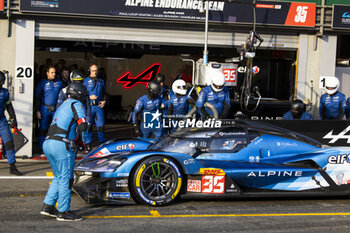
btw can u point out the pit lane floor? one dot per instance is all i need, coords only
(21, 201)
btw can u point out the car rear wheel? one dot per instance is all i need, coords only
(156, 181)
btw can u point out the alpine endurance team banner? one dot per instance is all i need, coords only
(273, 13)
(341, 16)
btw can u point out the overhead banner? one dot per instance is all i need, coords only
(1, 5)
(341, 16)
(272, 13)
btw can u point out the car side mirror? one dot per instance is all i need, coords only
(197, 153)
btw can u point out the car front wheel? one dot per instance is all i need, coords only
(156, 181)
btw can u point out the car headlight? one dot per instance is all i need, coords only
(109, 165)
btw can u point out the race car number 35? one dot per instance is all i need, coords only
(213, 184)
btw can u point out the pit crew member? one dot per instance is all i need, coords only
(59, 149)
(149, 104)
(179, 102)
(333, 102)
(45, 101)
(297, 111)
(97, 95)
(216, 94)
(5, 133)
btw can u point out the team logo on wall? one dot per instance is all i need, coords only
(335, 137)
(144, 77)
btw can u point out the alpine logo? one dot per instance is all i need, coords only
(336, 137)
(346, 15)
(144, 77)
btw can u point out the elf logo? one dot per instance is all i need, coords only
(144, 77)
(339, 159)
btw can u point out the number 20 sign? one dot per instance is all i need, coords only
(24, 72)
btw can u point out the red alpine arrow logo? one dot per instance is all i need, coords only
(144, 77)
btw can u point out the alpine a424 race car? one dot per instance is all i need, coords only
(244, 159)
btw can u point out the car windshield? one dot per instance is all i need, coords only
(180, 145)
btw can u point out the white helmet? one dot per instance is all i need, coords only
(179, 87)
(217, 81)
(332, 85)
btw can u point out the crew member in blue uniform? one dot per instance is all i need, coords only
(297, 112)
(179, 103)
(165, 89)
(347, 111)
(217, 95)
(75, 77)
(59, 149)
(97, 95)
(333, 102)
(46, 100)
(150, 104)
(5, 133)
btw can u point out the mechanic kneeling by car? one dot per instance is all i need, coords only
(59, 150)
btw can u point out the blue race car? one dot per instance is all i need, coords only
(246, 158)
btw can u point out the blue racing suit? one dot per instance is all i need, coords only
(62, 96)
(332, 107)
(46, 99)
(148, 107)
(347, 111)
(305, 116)
(178, 106)
(220, 100)
(58, 148)
(96, 87)
(5, 132)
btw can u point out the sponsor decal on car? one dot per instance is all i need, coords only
(339, 159)
(129, 146)
(117, 195)
(274, 173)
(122, 174)
(211, 171)
(232, 189)
(213, 184)
(222, 134)
(101, 153)
(285, 144)
(189, 161)
(194, 186)
(101, 161)
(121, 183)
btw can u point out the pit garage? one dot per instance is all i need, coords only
(121, 56)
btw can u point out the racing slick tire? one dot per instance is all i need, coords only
(156, 181)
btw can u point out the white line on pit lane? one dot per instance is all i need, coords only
(25, 177)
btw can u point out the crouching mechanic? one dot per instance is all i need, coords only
(59, 149)
(217, 95)
(297, 112)
(179, 102)
(148, 105)
(332, 103)
(5, 133)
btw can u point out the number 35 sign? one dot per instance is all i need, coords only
(301, 14)
(24, 72)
